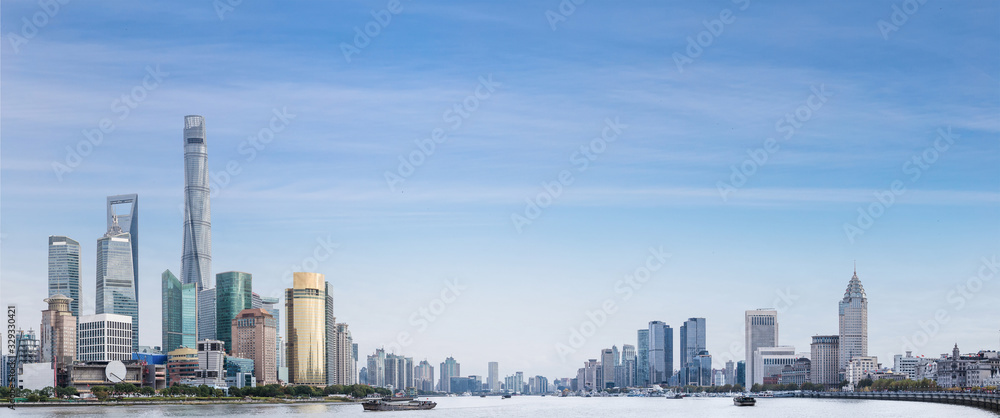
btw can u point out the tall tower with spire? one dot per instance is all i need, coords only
(853, 322)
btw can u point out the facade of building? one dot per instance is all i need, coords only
(741, 373)
(607, 369)
(233, 290)
(58, 332)
(692, 343)
(825, 360)
(968, 371)
(796, 373)
(253, 333)
(642, 358)
(211, 365)
(116, 278)
(493, 376)
(906, 365)
(859, 368)
(661, 352)
(423, 376)
(376, 368)
(769, 361)
(330, 326)
(629, 362)
(853, 320)
(305, 314)
(345, 365)
(64, 270)
(180, 313)
(699, 370)
(128, 221)
(28, 347)
(240, 372)
(182, 364)
(104, 337)
(730, 372)
(196, 260)
(270, 304)
(761, 331)
(207, 326)
(449, 369)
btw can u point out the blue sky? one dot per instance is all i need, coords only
(778, 240)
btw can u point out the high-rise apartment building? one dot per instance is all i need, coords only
(58, 332)
(180, 313)
(233, 291)
(853, 321)
(306, 319)
(761, 331)
(730, 373)
(64, 270)
(642, 358)
(344, 360)
(423, 376)
(104, 337)
(253, 332)
(661, 352)
(493, 376)
(449, 369)
(825, 355)
(128, 220)
(115, 278)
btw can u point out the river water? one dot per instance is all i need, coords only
(549, 407)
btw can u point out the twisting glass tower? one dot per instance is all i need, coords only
(196, 263)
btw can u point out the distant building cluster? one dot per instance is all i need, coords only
(216, 330)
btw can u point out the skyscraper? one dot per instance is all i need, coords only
(115, 278)
(629, 363)
(825, 357)
(761, 331)
(305, 316)
(449, 369)
(64, 270)
(424, 376)
(269, 304)
(692, 335)
(607, 369)
(330, 325)
(493, 377)
(180, 310)
(58, 332)
(853, 322)
(196, 262)
(642, 359)
(129, 222)
(253, 336)
(233, 291)
(196, 259)
(661, 352)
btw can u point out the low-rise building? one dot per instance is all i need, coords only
(860, 368)
(181, 365)
(968, 371)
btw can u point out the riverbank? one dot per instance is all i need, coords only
(188, 401)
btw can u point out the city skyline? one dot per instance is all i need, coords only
(302, 140)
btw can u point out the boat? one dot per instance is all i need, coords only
(506, 396)
(397, 404)
(482, 396)
(744, 401)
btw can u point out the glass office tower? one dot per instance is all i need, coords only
(128, 220)
(115, 278)
(64, 270)
(642, 358)
(305, 315)
(180, 307)
(196, 261)
(661, 352)
(233, 294)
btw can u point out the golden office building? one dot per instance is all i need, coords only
(58, 332)
(305, 307)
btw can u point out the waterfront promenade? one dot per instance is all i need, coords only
(989, 401)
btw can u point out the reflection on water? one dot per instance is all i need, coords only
(550, 407)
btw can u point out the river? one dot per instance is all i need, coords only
(549, 407)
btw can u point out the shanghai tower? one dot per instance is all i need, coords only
(196, 262)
